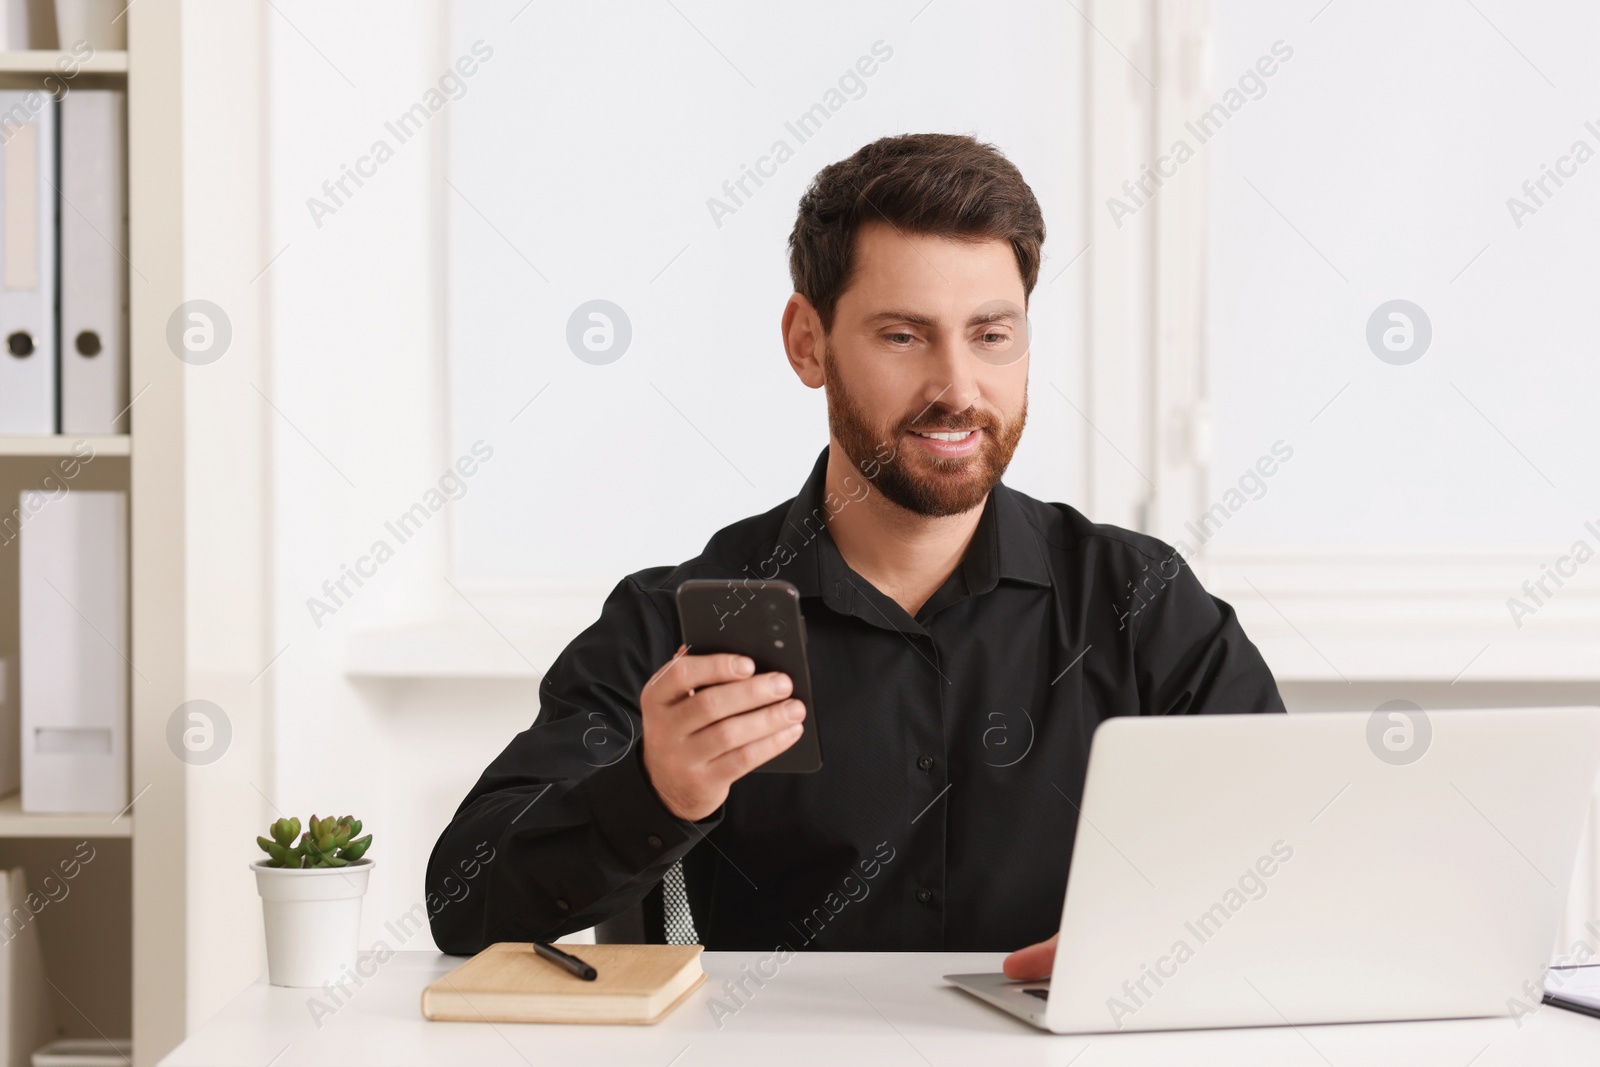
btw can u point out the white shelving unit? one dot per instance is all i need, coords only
(65, 444)
(138, 904)
(14, 823)
(49, 62)
(156, 508)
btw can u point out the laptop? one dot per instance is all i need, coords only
(1326, 867)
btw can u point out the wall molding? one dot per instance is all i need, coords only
(1414, 613)
(1318, 613)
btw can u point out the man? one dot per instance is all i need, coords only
(964, 639)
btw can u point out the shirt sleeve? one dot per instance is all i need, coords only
(1191, 656)
(564, 829)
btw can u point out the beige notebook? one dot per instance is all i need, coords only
(510, 983)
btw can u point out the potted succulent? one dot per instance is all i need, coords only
(311, 891)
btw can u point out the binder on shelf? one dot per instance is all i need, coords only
(27, 1016)
(10, 717)
(94, 268)
(72, 581)
(27, 24)
(27, 262)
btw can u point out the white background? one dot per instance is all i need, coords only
(1391, 141)
(581, 171)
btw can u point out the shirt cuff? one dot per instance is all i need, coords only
(631, 815)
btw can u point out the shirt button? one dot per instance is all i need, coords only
(925, 762)
(563, 905)
(653, 841)
(924, 895)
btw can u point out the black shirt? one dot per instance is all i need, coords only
(954, 744)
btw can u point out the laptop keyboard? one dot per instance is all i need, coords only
(1042, 994)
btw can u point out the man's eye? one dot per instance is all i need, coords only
(996, 338)
(898, 338)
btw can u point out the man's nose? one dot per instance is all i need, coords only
(952, 378)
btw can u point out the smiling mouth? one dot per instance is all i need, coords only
(945, 435)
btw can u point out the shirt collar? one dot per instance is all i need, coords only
(1004, 546)
(815, 567)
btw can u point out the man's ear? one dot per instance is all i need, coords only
(803, 340)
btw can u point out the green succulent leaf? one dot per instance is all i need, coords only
(324, 842)
(279, 856)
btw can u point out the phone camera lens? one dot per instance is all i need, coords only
(770, 605)
(775, 626)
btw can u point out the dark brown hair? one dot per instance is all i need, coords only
(937, 184)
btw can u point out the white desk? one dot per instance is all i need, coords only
(834, 1009)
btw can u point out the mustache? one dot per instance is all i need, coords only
(943, 418)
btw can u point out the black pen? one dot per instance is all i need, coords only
(563, 959)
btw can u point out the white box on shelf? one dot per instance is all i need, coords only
(85, 1052)
(73, 621)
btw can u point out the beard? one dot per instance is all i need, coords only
(922, 483)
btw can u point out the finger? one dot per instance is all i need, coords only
(1031, 963)
(687, 673)
(676, 656)
(734, 732)
(714, 703)
(741, 761)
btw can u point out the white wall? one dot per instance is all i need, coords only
(1377, 164)
(227, 501)
(582, 171)
(355, 439)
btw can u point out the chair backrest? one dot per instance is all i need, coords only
(642, 924)
(646, 922)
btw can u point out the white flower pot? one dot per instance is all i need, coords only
(94, 21)
(313, 918)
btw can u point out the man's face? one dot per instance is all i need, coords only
(930, 338)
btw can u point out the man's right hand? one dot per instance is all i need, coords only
(1032, 963)
(698, 739)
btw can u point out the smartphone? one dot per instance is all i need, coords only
(761, 620)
